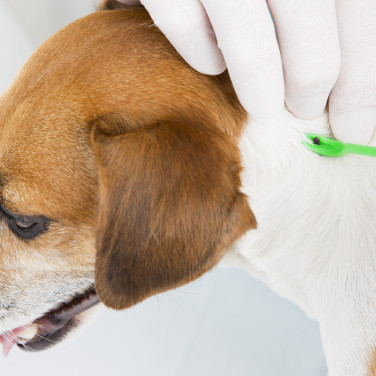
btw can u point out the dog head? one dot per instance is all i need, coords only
(119, 169)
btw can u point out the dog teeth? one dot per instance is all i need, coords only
(27, 334)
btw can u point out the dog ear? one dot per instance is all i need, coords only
(169, 205)
(113, 4)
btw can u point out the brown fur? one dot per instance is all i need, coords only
(107, 131)
(372, 364)
(169, 205)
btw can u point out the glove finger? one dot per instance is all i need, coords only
(352, 106)
(246, 37)
(188, 28)
(308, 40)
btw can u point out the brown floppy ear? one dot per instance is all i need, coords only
(169, 205)
(113, 4)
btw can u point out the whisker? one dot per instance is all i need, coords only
(28, 348)
(49, 340)
(5, 335)
(14, 336)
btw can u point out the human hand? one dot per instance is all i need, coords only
(352, 102)
(319, 57)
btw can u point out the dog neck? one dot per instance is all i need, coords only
(315, 240)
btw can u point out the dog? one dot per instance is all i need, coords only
(125, 173)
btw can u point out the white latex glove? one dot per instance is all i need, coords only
(352, 104)
(312, 57)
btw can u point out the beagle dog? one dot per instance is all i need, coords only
(125, 173)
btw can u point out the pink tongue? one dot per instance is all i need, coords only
(9, 339)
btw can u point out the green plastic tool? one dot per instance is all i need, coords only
(333, 148)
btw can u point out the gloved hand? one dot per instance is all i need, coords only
(314, 57)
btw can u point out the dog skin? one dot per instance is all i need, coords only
(124, 169)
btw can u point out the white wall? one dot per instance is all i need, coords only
(225, 324)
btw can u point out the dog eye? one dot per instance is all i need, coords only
(25, 224)
(28, 227)
(25, 227)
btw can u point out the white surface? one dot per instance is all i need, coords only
(14, 47)
(226, 323)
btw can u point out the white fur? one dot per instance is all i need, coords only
(315, 241)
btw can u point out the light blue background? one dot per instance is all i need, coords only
(225, 324)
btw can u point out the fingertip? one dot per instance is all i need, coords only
(307, 108)
(356, 127)
(268, 111)
(188, 28)
(203, 56)
(262, 99)
(263, 108)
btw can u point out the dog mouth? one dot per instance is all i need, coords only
(52, 327)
